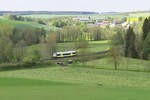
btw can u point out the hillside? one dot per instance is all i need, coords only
(65, 83)
(25, 24)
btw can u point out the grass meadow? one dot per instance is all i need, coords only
(94, 81)
(73, 83)
(117, 15)
(94, 46)
(26, 24)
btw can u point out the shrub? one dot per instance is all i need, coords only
(33, 56)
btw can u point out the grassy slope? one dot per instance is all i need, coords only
(25, 24)
(77, 83)
(59, 83)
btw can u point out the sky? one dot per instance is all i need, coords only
(75, 5)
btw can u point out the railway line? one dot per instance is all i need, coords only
(76, 57)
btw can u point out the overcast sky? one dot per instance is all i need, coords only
(75, 5)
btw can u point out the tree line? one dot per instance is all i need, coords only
(74, 33)
(28, 19)
(132, 44)
(144, 44)
(13, 41)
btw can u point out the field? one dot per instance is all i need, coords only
(73, 83)
(54, 16)
(139, 14)
(125, 64)
(26, 24)
(94, 81)
(94, 46)
(117, 15)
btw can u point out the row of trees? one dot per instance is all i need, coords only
(13, 41)
(74, 33)
(146, 39)
(138, 46)
(135, 45)
(28, 19)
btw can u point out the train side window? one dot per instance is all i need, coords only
(74, 53)
(65, 54)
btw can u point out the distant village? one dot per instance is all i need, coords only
(104, 22)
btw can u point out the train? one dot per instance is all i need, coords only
(65, 54)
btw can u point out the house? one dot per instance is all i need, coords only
(91, 24)
(99, 20)
(84, 19)
(118, 23)
(103, 24)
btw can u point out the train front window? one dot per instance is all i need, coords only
(58, 54)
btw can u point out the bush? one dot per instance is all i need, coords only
(33, 56)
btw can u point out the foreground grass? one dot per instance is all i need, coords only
(84, 76)
(73, 83)
(40, 90)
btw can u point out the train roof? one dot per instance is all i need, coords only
(66, 52)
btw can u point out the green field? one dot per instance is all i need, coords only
(95, 81)
(77, 82)
(26, 24)
(73, 83)
(125, 64)
(117, 15)
(55, 16)
(139, 14)
(94, 46)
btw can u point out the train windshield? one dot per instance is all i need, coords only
(58, 54)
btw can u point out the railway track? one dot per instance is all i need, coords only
(96, 54)
(77, 56)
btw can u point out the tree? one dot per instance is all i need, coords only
(6, 49)
(95, 33)
(83, 47)
(130, 48)
(33, 56)
(146, 47)
(146, 29)
(140, 18)
(115, 54)
(51, 43)
(41, 22)
(145, 37)
(118, 37)
(19, 51)
(116, 44)
(58, 23)
(6, 45)
(10, 17)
